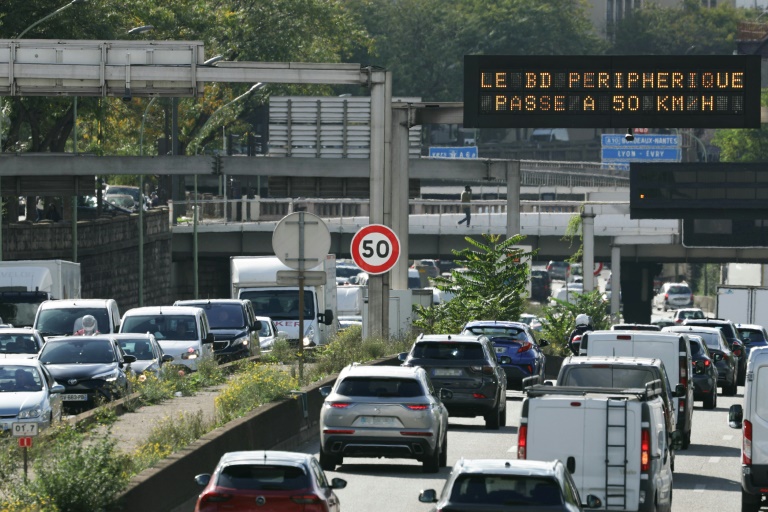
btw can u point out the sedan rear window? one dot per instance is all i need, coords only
(751, 335)
(495, 330)
(507, 490)
(679, 290)
(380, 387)
(447, 350)
(710, 339)
(263, 478)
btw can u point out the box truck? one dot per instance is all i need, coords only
(256, 278)
(25, 284)
(742, 304)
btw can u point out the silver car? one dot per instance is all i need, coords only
(28, 394)
(149, 355)
(384, 411)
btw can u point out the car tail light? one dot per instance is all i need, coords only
(530, 368)
(488, 370)
(681, 404)
(478, 395)
(417, 407)
(691, 299)
(624, 337)
(666, 296)
(725, 357)
(522, 441)
(706, 362)
(746, 450)
(678, 320)
(215, 497)
(338, 431)
(340, 405)
(737, 352)
(683, 371)
(525, 347)
(306, 499)
(645, 450)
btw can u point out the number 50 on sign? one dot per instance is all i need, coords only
(375, 249)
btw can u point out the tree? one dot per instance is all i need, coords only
(493, 286)
(560, 318)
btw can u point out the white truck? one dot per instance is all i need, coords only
(25, 284)
(255, 278)
(613, 441)
(742, 304)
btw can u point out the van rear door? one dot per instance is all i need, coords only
(574, 430)
(758, 397)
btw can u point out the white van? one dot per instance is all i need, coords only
(672, 348)
(64, 317)
(182, 331)
(614, 441)
(752, 418)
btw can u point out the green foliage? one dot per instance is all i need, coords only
(572, 231)
(258, 384)
(560, 319)
(492, 288)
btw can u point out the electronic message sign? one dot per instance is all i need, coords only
(687, 91)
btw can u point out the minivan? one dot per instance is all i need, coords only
(672, 348)
(181, 331)
(752, 418)
(64, 317)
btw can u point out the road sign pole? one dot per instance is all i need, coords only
(301, 298)
(24, 455)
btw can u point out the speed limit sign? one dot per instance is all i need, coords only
(375, 249)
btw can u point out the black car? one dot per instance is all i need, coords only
(732, 336)
(91, 369)
(466, 366)
(541, 285)
(234, 327)
(704, 372)
(720, 353)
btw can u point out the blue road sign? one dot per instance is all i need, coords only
(454, 153)
(659, 154)
(611, 140)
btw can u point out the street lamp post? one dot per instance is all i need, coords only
(54, 13)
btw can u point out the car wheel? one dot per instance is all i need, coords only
(686, 440)
(432, 462)
(710, 402)
(731, 389)
(327, 461)
(742, 378)
(493, 420)
(503, 417)
(750, 502)
(444, 452)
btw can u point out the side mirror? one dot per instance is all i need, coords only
(735, 416)
(209, 338)
(679, 391)
(428, 496)
(593, 501)
(338, 483)
(256, 326)
(327, 317)
(167, 358)
(325, 390)
(676, 440)
(543, 343)
(445, 394)
(717, 357)
(505, 360)
(202, 480)
(402, 356)
(57, 388)
(129, 359)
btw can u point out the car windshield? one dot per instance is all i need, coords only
(266, 329)
(139, 347)
(510, 490)
(380, 387)
(449, 350)
(604, 376)
(690, 314)
(347, 271)
(223, 315)
(68, 321)
(15, 378)
(515, 333)
(260, 477)
(18, 344)
(164, 327)
(712, 340)
(82, 351)
(280, 304)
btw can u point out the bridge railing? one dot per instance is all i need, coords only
(222, 211)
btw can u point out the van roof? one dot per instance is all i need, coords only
(74, 303)
(652, 390)
(613, 360)
(164, 310)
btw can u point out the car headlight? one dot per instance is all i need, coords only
(243, 340)
(30, 413)
(309, 336)
(109, 376)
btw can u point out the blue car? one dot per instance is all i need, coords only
(517, 349)
(753, 336)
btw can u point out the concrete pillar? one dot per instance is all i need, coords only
(400, 210)
(588, 261)
(615, 283)
(513, 197)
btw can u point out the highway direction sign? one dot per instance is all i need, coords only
(630, 154)
(375, 249)
(457, 153)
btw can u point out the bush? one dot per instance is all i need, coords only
(258, 384)
(560, 319)
(168, 436)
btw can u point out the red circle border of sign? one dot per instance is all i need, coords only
(391, 236)
(598, 269)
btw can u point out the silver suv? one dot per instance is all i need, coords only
(383, 411)
(491, 483)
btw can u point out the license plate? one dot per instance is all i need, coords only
(385, 421)
(75, 397)
(446, 372)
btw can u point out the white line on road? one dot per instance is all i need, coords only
(727, 437)
(714, 460)
(699, 488)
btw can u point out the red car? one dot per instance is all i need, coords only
(268, 480)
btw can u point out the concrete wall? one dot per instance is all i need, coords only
(107, 252)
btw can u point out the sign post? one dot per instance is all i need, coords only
(301, 238)
(24, 431)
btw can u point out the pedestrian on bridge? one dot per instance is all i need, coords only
(466, 199)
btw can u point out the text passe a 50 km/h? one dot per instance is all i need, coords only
(691, 91)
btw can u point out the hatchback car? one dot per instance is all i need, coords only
(91, 368)
(516, 349)
(508, 485)
(28, 394)
(752, 336)
(384, 411)
(559, 270)
(717, 346)
(704, 372)
(148, 353)
(16, 343)
(467, 366)
(683, 314)
(731, 336)
(268, 334)
(673, 296)
(268, 480)
(430, 267)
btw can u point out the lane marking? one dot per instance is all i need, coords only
(699, 488)
(714, 460)
(727, 437)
